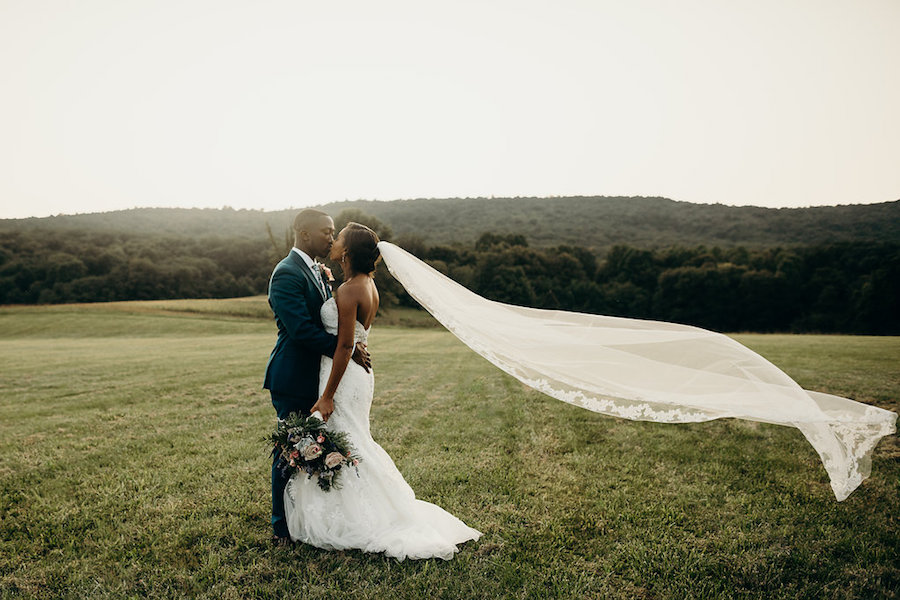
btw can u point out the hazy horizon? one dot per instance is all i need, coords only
(282, 104)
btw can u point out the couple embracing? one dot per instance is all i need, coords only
(320, 363)
(627, 368)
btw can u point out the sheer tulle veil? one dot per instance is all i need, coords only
(647, 370)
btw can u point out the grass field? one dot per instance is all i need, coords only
(132, 466)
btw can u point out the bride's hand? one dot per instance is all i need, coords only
(325, 406)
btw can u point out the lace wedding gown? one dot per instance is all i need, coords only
(377, 511)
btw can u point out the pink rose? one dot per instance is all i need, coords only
(320, 439)
(312, 451)
(333, 460)
(355, 462)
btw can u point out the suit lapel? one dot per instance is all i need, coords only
(301, 264)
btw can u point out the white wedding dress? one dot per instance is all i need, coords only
(376, 511)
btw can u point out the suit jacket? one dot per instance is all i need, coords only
(296, 298)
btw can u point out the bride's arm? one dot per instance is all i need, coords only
(347, 301)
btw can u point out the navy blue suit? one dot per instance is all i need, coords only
(292, 374)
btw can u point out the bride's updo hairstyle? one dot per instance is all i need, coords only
(361, 244)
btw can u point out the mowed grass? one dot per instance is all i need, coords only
(132, 466)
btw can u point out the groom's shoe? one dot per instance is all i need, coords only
(280, 534)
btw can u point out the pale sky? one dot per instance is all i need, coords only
(112, 104)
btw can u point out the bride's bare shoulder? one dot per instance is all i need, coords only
(356, 290)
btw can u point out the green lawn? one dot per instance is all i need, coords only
(132, 465)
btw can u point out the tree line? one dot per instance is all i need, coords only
(851, 287)
(41, 268)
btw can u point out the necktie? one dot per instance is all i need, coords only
(318, 273)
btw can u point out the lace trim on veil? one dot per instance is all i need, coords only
(647, 370)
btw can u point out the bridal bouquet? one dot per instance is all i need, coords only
(302, 445)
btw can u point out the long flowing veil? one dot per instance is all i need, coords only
(647, 370)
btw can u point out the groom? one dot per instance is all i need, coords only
(297, 291)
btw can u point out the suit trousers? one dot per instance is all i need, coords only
(284, 406)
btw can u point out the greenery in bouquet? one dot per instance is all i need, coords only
(304, 445)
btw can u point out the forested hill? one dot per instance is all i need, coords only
(596, 223)
(829, 269)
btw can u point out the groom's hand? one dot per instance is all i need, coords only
(361, 356)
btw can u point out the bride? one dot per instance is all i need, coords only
(376, 511)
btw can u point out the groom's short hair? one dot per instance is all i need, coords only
(307, 219)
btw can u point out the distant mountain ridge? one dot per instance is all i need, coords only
(596, 222)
